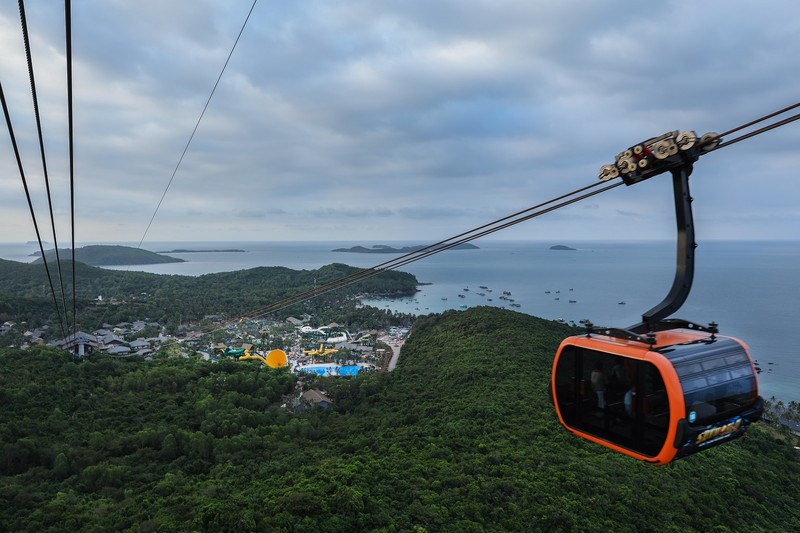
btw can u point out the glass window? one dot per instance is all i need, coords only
(718, 377)
(693, 383)
(567, 384)
(725, 385)
(741, 372)
(685, 370)
(738, 357)
(617, 399)
(711, 364)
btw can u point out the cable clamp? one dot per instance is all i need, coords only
(658, 155)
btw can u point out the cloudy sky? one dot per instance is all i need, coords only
(367, 121)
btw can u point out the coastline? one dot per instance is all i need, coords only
(742, 285)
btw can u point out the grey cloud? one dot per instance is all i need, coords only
(359, 118)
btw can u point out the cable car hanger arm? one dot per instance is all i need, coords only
(684, 266)
(675, 153)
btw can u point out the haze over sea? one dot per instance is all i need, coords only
(750, 288)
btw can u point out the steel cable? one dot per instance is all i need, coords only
(197, 125)
(492, 227)
(34, 96)
(30, 205)
(427, 251)
(70, 126)
(759, 131)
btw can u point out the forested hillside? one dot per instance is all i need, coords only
(128, 296)
(461, 437)
(99, 255)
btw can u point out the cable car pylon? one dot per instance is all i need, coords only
(663, 388)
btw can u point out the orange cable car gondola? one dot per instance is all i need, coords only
(664, 388)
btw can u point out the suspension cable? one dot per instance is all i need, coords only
(197, 125)
(756, 121)
(464, 237)
(70, 126)
(758, 131)
(717, 137)
(29, 57)
(30, 205)
(495, 226)
(441, 246)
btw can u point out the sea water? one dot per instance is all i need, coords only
(749, 288)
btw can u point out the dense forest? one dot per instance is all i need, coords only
(461, 437)
(171, 299)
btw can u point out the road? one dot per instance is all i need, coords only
(396, 346)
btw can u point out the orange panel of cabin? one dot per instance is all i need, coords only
(656, 403)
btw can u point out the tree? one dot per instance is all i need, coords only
(62, 467)
(169, 448)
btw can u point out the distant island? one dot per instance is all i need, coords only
(561, 247)
(109, 255)
(383, 249)
(182, 251)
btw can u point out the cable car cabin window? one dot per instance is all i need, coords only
(717, 379)
(617, 399)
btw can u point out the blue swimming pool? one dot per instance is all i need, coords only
(332, 369)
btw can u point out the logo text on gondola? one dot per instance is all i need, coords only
(714, 433)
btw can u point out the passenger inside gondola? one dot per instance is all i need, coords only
(639, 424)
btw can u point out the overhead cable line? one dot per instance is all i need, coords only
(197, 125)
(444, 244)
(464, 238)
(30, 204)
(494, 226)
(762, 119)
(70, 127)
(29, 57)
(441, 246)
(759, 131)
(712, 138)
